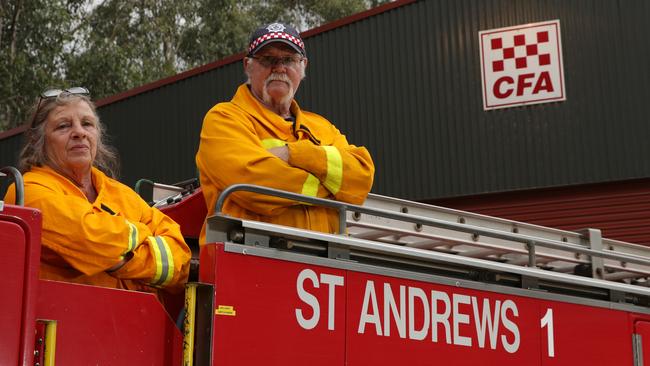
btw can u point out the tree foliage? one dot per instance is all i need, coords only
(114, 45)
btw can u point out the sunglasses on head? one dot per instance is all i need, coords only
(53, 93)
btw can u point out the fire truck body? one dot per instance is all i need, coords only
(87, 325)
(406, 283)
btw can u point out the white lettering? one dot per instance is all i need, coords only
(440, 318)
(331, 281)
(307, 298)
(547, 322)
(460, 319)
(370, 298)
(390, 308)
(452, 318)
(486, 322)
(511, 326)
(418, 334)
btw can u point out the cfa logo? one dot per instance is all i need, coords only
(522, 65)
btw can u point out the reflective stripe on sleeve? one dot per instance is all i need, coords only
(133, 237)
(270, 143)
(310, 187)
(334, 176)
(164, 261)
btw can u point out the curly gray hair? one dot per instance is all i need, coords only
(33, 153)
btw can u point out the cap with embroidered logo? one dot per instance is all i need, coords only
(276, 32)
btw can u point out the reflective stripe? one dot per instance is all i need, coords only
(164, 261)
(310, 187)
(133, 237)
(269, 143)
(334, 176)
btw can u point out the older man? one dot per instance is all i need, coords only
(263, 137)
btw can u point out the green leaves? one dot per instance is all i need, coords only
(111, 46)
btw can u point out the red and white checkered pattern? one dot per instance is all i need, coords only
(520, 42)
(276, 35)
(522, 65)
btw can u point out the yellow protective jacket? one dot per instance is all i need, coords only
(233, 149)
(81, 240)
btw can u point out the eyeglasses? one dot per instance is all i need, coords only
(270, 61)
(53, 93)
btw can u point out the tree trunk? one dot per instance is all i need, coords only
(3, 10)
(14, 31)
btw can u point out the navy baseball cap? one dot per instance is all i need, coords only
(276, 32)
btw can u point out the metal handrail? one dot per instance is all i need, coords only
(20, 184)
(342, 207)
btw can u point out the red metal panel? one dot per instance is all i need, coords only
(20, 237)
(263, 330)
(619, 209)
(189, 213)
(374, 347)
(102, 326)
(586, 335)
(12, 263)
(266, 314)
(578, 331)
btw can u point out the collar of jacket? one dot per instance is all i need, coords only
(97, 176)
(245, 100)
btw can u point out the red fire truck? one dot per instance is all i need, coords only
(403, 283)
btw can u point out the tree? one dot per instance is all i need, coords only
(31, 57)
(116, 45)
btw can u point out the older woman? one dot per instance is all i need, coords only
(95, 230)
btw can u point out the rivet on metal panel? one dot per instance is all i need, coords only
(356, 216)
(418, 227)
(461, 220)
(405, 210)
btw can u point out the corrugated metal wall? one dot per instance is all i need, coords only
(157, 132)
(619, 209)
(9, 149)
(406, 84)
(412, 93)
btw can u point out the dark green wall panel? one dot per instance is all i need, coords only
(406, 83)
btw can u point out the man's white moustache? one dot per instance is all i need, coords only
(278, 77)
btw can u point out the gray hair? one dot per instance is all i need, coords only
(34, 154)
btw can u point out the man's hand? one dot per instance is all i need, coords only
(281, 152)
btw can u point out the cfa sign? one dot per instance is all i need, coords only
(522, 65)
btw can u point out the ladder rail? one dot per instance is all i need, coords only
(396, 204)
(634, 259)
(366, 247)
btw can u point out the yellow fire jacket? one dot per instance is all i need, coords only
(233, 149)
(81, 240)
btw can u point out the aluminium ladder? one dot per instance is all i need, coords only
(494, 239)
